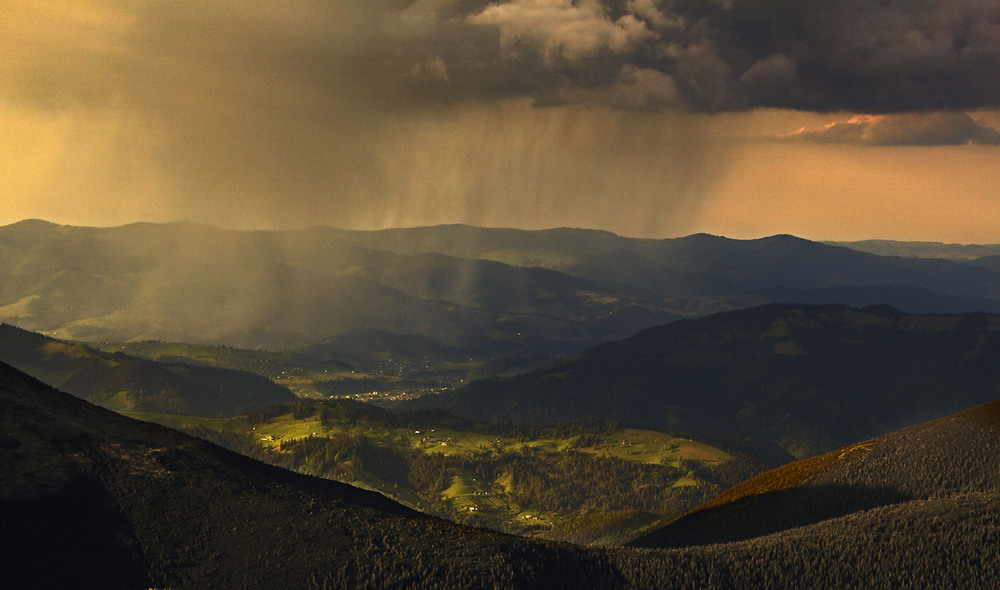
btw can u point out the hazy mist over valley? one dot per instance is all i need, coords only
(500, 294)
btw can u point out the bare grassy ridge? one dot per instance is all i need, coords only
(953, 457)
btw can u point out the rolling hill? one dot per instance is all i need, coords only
(125, 383)
(91, 499)
(495, 292)
(806, 378)
(949, 461)
(588, 481)
(184, 282)
(922, 249)
(708, 266)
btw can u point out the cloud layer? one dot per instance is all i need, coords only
(870, 56)
(945, 128)
(873, 56)
(534, 113)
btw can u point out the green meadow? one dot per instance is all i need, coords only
(571, 481)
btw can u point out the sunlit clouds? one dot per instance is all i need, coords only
(926, 129)
(562, 29)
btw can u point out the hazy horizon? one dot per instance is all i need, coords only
(548, 228)
(646, 118)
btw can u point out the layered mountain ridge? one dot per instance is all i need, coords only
(805, 378)
(493, 292)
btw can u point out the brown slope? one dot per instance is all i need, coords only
(952, 457)
(91, 499)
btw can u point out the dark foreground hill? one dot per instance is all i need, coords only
(90, 499)
(125, 383)
(945, 468)
(806, 378)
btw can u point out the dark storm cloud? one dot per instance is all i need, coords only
(856, 55)
(309, 56)
(402, 112)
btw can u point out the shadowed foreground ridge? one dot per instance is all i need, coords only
(90, 499)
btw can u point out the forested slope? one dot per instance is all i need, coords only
(805, 378)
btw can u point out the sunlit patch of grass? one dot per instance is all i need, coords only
(507, 497)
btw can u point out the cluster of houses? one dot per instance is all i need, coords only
(433, 439)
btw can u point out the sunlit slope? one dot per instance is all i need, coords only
(517, 478)
(806, 378)
(121, 382)
(955, 459)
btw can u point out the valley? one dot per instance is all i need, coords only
(576, 481)
(130, 503)
(495, 408)
(376, 377)
(798, 379)
(500, 295)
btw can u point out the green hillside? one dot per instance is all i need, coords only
(126, 383)
(91, 499)
(584, 481)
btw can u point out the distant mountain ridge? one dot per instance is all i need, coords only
(714, 264)
(191, 283)
(805, 378)
(922, 249)
(495, 292)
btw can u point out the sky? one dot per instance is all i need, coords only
(839, 120)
